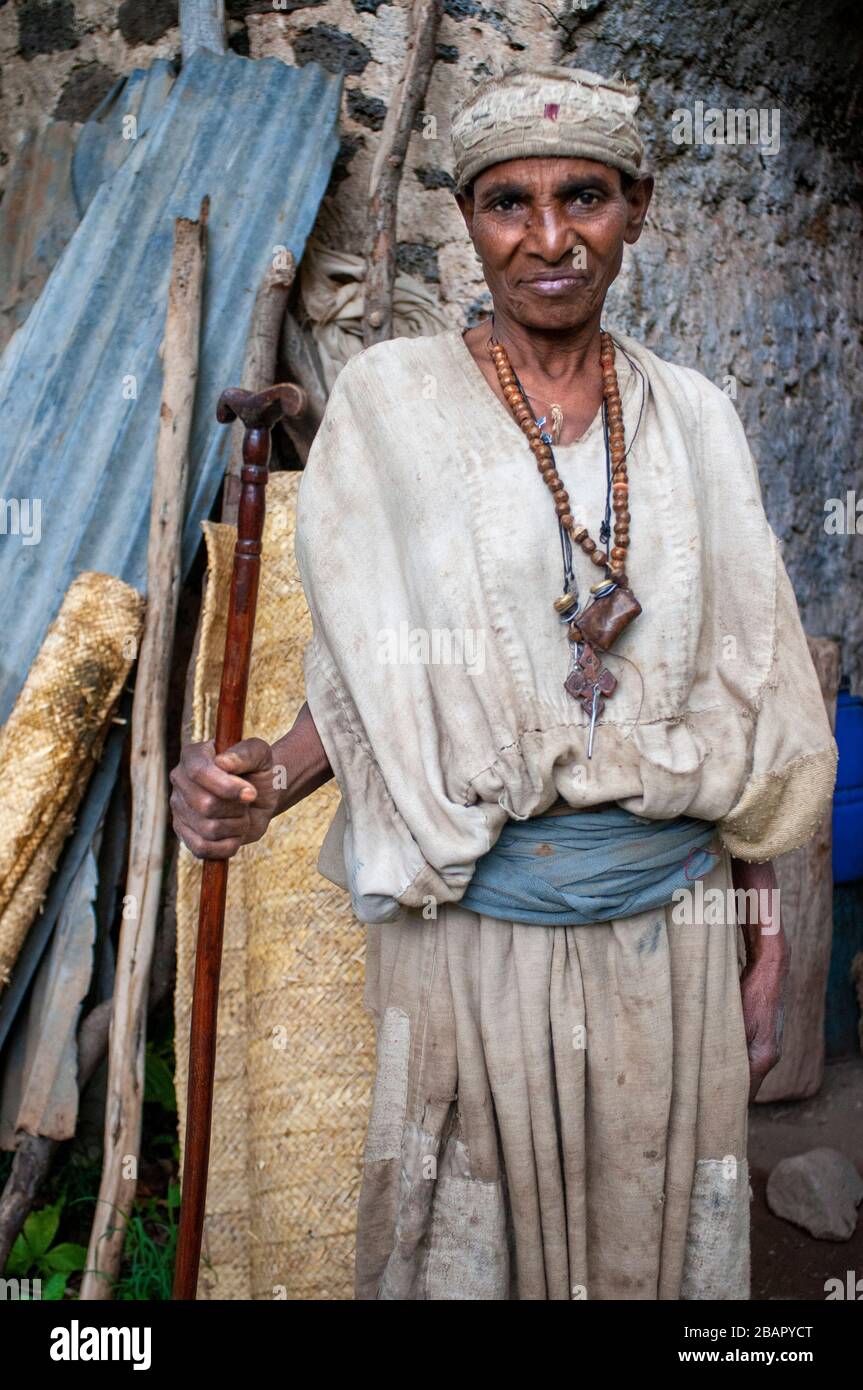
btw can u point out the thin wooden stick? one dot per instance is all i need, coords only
(259, 414)
(387, 170)
(202, 25)
(301, 363)
(259, 365)
(149, 773)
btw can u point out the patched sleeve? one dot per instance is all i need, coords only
(794, 755)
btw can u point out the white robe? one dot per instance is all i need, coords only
(430, 557)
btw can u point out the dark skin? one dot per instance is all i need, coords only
(550, 235)
(764, 981)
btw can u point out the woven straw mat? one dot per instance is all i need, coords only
(295, 1060)
(53, 738)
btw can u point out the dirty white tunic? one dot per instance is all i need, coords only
(429, 553)
(559, 1112)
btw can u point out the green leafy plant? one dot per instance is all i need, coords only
(35, 1256)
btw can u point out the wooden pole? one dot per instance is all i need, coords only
(148, 769)
(259, 414)
(202, 25)
(387, 170)
(300, 359)
(259, 365)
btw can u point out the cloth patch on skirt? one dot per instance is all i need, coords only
(716, 1265)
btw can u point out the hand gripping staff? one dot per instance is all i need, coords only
(259, 412)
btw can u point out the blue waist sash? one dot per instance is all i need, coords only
(571, 870)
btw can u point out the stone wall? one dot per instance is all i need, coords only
(748, 269)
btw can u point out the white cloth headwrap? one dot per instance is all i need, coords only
(550, 111)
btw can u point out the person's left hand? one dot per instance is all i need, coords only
(763, 986)
(764, 980)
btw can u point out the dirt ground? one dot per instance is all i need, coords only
(786, 1262)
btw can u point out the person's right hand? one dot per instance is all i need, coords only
(223, 801)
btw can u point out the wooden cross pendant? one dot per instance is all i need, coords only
(589, 681)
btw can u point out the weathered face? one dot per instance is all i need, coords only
(550, 235)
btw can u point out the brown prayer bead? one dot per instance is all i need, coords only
(547, 467)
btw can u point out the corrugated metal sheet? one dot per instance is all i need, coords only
(259, 138)
(98, 153)
(55, 174)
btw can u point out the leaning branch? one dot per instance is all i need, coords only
(387, 170)
(148, 765)
(259, 364)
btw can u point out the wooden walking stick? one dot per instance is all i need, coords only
(259, 412)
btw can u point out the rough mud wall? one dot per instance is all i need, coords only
(59, 58)
(748, 269)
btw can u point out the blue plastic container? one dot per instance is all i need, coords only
(848, 796)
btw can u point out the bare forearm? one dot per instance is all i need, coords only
(301, 759)
(762, 930)
(764, 979)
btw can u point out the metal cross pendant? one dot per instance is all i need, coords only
(588, 682)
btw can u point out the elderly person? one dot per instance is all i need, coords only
(559, 674)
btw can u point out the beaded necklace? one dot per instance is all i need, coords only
(613, 604)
